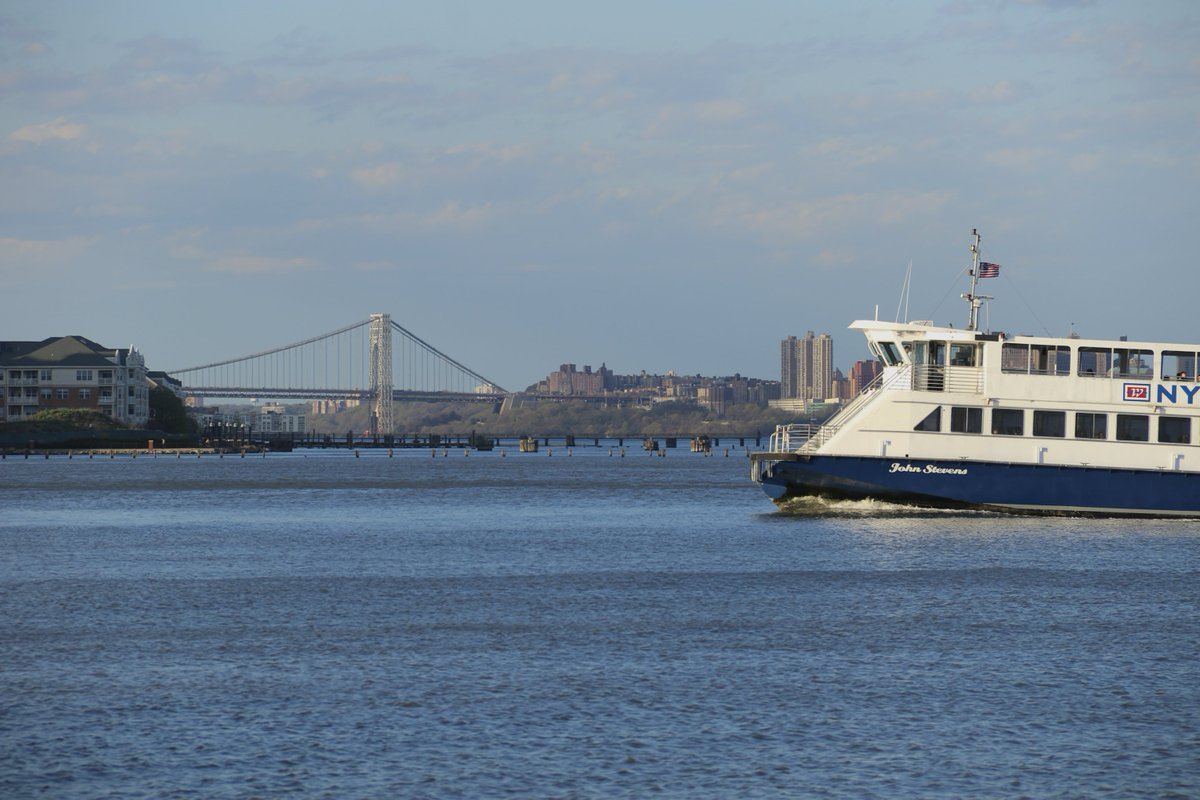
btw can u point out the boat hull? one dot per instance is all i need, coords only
(1020, 488)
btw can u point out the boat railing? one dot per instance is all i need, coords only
(789, 438)
(804, 437)
(932, 378)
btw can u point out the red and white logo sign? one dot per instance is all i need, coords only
(1137, 392)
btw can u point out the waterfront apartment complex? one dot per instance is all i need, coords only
(73, 372)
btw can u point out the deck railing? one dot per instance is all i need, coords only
(926, 378)
(806, 437)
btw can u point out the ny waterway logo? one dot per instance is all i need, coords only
(1163, 393)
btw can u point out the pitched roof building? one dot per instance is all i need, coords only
(73, 372)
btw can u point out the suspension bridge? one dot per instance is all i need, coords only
(365, 362)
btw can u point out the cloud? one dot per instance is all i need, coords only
(830, 257)
(187, 245)
(48, 131)
(998, 92)
(379, 176)
(454, 215)
(243, 263)
(1085, 162)
(823, 217)
(20, 254)
(675, 118)
(1014, 158)
(450, 215)
(849, 154)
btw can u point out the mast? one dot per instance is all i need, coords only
(974, 300)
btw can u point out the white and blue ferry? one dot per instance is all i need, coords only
(961, 418)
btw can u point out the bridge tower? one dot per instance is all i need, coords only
(382, 420)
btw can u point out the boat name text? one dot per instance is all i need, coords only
(928, 469)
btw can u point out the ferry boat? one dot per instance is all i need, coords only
(962, 418)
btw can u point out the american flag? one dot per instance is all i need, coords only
(987, 270)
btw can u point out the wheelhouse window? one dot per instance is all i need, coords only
(1175, 430)
(932, 421)
(889, 354)
(929, 359)
(963, 355)
(1008, 421)
(1180, 365)
(1133, 427)
(1050, 423)
(966, 420)
(1091, 426)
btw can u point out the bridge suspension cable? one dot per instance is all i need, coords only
(274, 350)
(357, 362)
(491, 386)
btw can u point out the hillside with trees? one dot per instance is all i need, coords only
(558, 418)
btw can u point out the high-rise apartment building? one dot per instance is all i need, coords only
(806, 367)
(861, 375)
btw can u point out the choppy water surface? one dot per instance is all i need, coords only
(583, 626)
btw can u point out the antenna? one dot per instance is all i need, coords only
(904, 290)
(974, 300)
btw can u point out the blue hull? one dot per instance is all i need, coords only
(1028, 488)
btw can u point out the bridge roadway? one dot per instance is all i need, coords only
(398, 395)
(401, 395)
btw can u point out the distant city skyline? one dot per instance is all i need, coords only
(665, 186)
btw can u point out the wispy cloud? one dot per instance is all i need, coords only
(57, 129)
(243, 263)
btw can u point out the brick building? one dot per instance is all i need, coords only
(73, 372)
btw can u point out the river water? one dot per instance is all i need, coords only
(574, 625)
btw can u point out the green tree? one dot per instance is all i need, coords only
(167, 413)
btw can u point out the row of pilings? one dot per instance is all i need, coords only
(476, 441)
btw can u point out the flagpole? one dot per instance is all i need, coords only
(972, 301)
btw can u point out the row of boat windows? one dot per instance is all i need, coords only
(1116, 362)
(1052, 359)
(1054, 424)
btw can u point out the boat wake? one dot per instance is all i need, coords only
(868, 508)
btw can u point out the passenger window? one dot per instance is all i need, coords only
(1049, 359)
(1133, 427)
(1179, 366)
(1175, 430)
(1050, 423)
(1133, 363)
(1008, 421)
(1091, 426)
(966, 420)
(1094, 361)
(1014, 358)
(932, 421)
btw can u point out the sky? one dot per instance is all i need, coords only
(651, 185)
